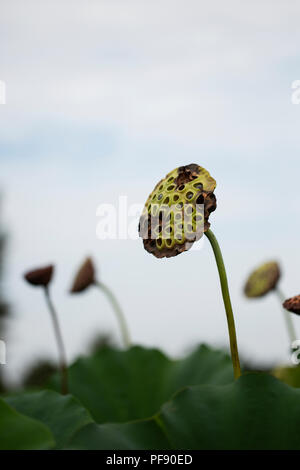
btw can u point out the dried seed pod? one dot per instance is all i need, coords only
(40, 277)
(176, 213)
(262, 280)
(84, 277)
(293, 304)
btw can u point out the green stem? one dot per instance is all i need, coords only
(227, 302)
(60, 344)
(118, 311)
(287, 317)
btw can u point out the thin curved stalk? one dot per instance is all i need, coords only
(227, 302)
(60, 344)
(287, 317)
(118, 311)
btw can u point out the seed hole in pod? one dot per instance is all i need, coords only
(189, 227)
(178, 216)
(149, 208)
(152, 243)
(155, 209)
(200, 199)
(178, 236)
(180, 226)
(159, 197)
(179, 205)
(169, 229)
(154, 197)
(175, 197)
(197, 218)
(171, 179)
(164, 217)
(169, 242)
(170, 188)
(167, 200)
(159, 242)
(190, 195)
(198, 185)
(181, 187)
(161, 186)
(189, 209)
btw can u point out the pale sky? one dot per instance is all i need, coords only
(103, 99)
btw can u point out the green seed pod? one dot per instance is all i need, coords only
(293, 304)
(176, 213)
(262, 280)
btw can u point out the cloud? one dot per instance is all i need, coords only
(208, 72)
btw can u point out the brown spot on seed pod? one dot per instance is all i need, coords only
(186, 174)
(84, 277)
(293, 304)
(40, 276)
(262, 280)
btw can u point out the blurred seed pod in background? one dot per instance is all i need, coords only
(262, 280)
(293, 304)
(40, 277)
(85, 277)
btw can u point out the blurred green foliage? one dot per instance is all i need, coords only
(39, 373)
(119, 386)
(19, 432)
(256, 412)
(191, 403)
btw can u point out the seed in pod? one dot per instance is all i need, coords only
(176, 213)
(262, 280)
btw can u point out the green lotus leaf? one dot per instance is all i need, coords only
(63, 415)
(136, 435)
(18, 432)
(118, 386)
(256, 412)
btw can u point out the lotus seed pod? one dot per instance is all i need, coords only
(176, 213)
(84, 277)
(293, 304)
(262, 280)
(40, 277)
